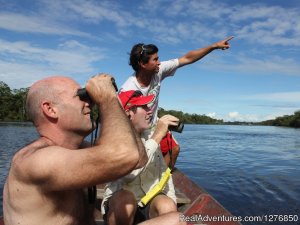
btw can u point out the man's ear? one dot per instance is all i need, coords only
(128, 114)
(141, 64)
(49, 110)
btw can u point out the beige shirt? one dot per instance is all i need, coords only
(142, 180)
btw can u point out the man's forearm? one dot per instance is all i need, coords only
(195, 55)
(117, 136)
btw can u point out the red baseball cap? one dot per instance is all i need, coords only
(134, 98)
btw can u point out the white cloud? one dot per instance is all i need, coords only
(240, 117)
(233, 115)
(256, 23)
(35, 24)
(236, 116)
(23, 63)
(253, 63)
(212, 115)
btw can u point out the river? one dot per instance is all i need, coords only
(250, 170)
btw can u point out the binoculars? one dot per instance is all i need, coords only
(177, 128)
(84, 96)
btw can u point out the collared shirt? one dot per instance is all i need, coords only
(142, 180)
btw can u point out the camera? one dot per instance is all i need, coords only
(84, 96)
(177, 128)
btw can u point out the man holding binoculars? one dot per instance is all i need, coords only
(47, 178)
(147, 192)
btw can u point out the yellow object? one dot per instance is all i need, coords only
(156, 189)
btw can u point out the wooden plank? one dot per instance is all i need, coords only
(181, 198)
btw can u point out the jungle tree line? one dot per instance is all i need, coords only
(12, 103)
(12, 108)
(189, 118)
(286, 121)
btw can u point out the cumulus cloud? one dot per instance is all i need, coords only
(212, 115)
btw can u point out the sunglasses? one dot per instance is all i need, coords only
(144, 49)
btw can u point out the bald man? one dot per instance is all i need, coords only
(47, 178)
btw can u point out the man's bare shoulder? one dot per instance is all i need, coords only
(26, 156)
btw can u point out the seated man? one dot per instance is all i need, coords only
(122, 198)
(47, 178)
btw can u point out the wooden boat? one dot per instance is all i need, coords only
(193, 201)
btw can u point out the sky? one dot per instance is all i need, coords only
(257, 79)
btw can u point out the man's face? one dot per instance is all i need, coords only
(75, 113)
(153, 64)
(141, 118)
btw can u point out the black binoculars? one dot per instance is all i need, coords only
(177, 128)
(84, 96)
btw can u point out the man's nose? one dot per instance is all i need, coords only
(149, 111)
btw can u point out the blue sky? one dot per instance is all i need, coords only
(257, 79)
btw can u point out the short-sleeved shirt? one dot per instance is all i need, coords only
(166, 69)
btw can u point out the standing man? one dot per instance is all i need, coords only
(149, 73)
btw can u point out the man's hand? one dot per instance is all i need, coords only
(222, 44)
(100, 87)
(162, 127)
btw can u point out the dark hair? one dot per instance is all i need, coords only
(141, 53)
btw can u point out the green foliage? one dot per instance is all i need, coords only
(12, 108)
(286, 121)
(189, 118)
(12, 103)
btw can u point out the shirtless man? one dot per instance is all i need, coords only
(47, 178)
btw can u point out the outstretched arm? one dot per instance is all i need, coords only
(198, 54)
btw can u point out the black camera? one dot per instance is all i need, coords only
(177, 128)
(84, 96)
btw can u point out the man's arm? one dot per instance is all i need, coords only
(115, 154)
(125, 151)
(198, 54)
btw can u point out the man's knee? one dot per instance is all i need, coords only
(176, 149)
(122, 208)
(122, 197)
(162, 204)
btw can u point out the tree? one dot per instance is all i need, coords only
(12, 103)
(5, 99)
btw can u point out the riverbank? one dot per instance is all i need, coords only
(17, 123)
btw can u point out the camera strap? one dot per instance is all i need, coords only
(170, 149)
(92, 191)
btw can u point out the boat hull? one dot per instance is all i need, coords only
(202, 205)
